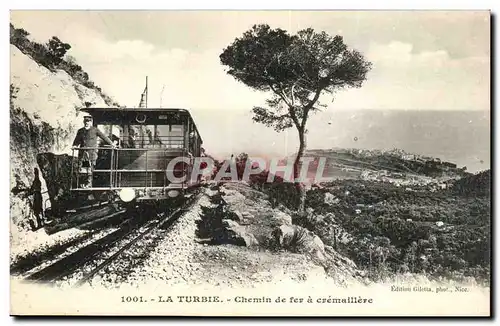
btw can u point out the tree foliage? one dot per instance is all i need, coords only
(52, 55)
(406, 221)
(57, 48)
(297, 69)
(17, 35)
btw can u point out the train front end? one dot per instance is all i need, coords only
(150, 163)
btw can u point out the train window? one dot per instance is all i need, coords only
(146, 135)
(112, 131)
(116, 135)
(141, 136)
(105, 129)
(171, 135)
(150, 136)
(176, 130)
(132, 136)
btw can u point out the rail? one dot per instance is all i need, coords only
(129, 227)
(126, 149)
(166, 220)
(124, 167)
(157, 141)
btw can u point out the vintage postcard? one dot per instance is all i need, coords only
(250, 163)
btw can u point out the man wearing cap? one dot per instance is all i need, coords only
(87, 137)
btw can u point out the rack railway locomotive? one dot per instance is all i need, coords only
(135, 169)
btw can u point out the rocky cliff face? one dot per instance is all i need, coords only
(44, 115)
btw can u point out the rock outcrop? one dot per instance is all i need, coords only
(56, 170)
(300, 240)
(237, 234)
(241, 216)
(44, 115)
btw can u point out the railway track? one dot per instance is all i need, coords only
(71, 263)
(164, 222)
(33, 262)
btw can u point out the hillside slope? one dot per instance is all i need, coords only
(348, 163)
(474, 185)
(44, 118)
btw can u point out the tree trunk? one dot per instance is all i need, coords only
(296, 171)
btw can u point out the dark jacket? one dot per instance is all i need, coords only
(36, 190)
(88, 138)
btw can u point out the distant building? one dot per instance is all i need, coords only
(450, 165)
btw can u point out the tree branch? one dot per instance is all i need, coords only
(280, 94)
(270, 119)
(291, 111)
(309, 106)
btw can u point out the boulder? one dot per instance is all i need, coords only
(330, 199)
(237, 234)
(56, 171)
(235, 216)
(276, 218)
(340, 267)
(299, 240)
(248, 240)
(230, 224)
(247, 215)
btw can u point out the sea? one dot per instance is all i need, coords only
(460, 137)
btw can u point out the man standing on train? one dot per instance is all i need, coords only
(87, 137)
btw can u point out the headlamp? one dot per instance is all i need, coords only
(127, 194)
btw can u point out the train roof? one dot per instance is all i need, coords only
(119, 109)
(101, 110)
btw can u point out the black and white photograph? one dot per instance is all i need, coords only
(250, 163)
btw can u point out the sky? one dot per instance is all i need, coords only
(428, 60)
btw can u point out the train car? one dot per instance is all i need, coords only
(136, 169)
